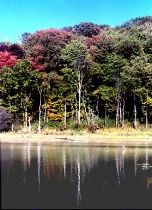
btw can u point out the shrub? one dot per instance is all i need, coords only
(92, 128)
(6, 119)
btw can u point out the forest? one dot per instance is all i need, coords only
(80, 76)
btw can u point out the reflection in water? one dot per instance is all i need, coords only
(39, 165)
(120, 166)
(146, 157)
(76, 176)
(79, 182)
(12, 150)
(29, 154)
(24, 162)
(135, 161)
(64, 162)
(149, 182)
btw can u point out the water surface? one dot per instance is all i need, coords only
(45, 177)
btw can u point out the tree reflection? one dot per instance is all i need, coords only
(39, 165)
(120, 164)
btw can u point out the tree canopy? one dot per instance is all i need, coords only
(86, 73)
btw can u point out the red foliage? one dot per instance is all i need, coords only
(91, 41)
(35, 64)
(6, 59)
(43, 47)
(14, 49)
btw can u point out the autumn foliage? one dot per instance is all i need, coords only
(86, 73)
(43, 48)
(8, 60)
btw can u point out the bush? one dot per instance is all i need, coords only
(53, 124)
(92, 128)
(110, 123)
(75, 126)
(6, 119)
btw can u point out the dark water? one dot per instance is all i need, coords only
(45, 177)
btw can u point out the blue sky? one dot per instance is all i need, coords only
(19, 16)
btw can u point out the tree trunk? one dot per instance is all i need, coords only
(123, 112)
(25, 114)
(120, 113)
(97, 107)
(146, 120)
(117, 114)
(40, 104)
(118, 109)
(12, 127)
(147, 115)
(135, 112)
(79, 105)
(76, 111)
(29, 124)
(65, 114)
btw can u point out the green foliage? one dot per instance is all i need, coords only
(109, 69)
(74, 52)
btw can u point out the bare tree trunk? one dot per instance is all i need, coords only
(65, 114)
(76, 112)
(147, 115)
(135, 112)
(12, 127)
(146, 120)
(79, 103)
(120, 113)
(29, 124)
(40, 105)
(26, 117)
(118, 104)
(123, 112)
(117, 114)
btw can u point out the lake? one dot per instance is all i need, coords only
(39, 176)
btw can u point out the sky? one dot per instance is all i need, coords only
(19, 16)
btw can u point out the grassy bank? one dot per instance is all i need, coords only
(111, 132)
(106, 137)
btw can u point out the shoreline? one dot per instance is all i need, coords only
(77, 139)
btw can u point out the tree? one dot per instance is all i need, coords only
(19, 84)
(16, 50)
(7, 60)
(42, 83)
(67, 90)
(43, 48)
(138, 79)
(4, 47)
(75, 54)
(88, 29)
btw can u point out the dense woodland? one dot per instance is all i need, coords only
(79, 76)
